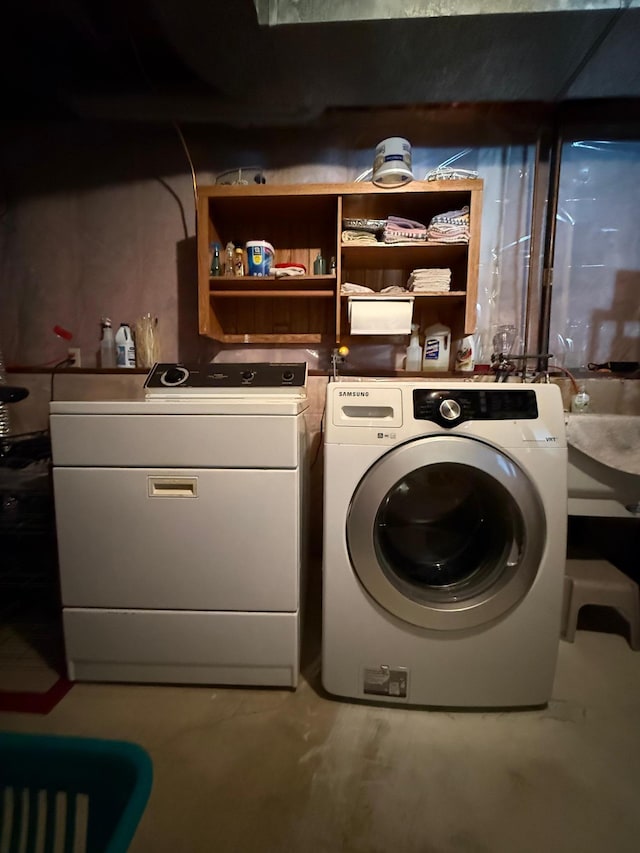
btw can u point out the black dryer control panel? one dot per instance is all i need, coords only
(233, 375)
(448, 407)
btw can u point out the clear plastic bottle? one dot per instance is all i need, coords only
(414, 351)
(229, 268)
(580, 401)
(215, 260)
(107, 345)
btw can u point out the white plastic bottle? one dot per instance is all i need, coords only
(107, 345)
(414, 351)
(437, 348)
(125, 347)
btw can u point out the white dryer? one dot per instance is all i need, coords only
(181, 526)
(445, 512)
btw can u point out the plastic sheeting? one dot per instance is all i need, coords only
(108, 238)
(595, 313)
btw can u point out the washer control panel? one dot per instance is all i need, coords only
(265, 377)
(448, 407)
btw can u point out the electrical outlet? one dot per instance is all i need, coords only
(74, 353)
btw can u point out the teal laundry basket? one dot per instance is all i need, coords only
(70, 793)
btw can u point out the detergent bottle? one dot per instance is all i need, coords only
(437, 348)
(125, 347)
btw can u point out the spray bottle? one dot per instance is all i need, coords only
(107, 345)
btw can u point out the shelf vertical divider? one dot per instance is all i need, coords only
(338, 281)
(473, 260)
(203, 225)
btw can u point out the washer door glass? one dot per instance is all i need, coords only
(446, 532)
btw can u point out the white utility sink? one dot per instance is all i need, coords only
(604, 464)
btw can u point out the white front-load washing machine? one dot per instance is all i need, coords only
(445, 513)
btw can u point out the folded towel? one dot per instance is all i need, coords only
(436, 280)
(430, 287)
(283, 270)
(358, 224)
(450, 227)
(349, 287)
(405, 236)
(359, 237)
(394, 288)
(452, 217)
(401, 222)
(398, 229)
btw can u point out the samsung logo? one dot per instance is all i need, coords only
(353, 393)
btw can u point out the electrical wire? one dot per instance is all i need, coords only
(174, 124)
(320, 435)
(64, 363)
(589, 53)
(194, 180)
(183, 217)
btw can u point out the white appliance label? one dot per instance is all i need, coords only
(384, 681)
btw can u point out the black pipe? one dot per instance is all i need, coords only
(546, 295)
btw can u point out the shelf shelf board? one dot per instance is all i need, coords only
(285, 338)
(270, 287)
(414, 244)
(456, 294)
(272, 294)
(284, 280)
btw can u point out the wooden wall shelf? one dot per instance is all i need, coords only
(304, 220)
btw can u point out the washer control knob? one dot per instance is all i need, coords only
(287, 375)
(247, 375)
(174, 376)
(450, 410)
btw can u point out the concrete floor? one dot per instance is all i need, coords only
(274, 770)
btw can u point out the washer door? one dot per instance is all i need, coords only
(446, 532)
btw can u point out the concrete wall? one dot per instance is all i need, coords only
(98, 220)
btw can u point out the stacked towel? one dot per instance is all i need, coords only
(400, 230)
(364, 237)
(450, 227)
(430, 281)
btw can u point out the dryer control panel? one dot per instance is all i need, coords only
(448, 407)
(218, 378)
